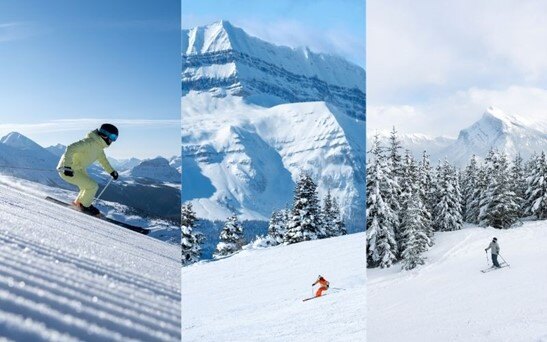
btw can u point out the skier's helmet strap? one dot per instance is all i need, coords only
(110, 131)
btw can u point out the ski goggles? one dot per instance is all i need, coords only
(109, 135)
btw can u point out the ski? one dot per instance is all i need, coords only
(102, 217)
(494, 268)
(313, 298)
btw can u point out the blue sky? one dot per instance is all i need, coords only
(66, 66)
(435, 66)
(331, 26)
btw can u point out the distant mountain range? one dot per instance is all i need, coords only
(495, 129)
(256, 115)
(150, 187)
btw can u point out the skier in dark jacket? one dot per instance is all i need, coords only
(495, 251)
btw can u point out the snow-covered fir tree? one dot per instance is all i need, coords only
(500, 207)
(518, 183)
(305, 223)
(381, 219)
(329, 216)
(447, 214)
(190, 240)
(340, 226)
(394, 169)
(425, 191)
(414, 240)
(277, 226)
(231, 238)
(536, 192)
(468, 184)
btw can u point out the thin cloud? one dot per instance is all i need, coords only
(14, 31)
(71, 125)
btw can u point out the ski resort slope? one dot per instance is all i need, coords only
(256, 295)
(65, 276)
(449, 299)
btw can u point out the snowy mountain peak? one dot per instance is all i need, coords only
(157, 169)
(493, 113)
(17, 140)
(224, 60)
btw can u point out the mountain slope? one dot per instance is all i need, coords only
(245, 158)
(67, 276)
(256, 295)
(450, 300)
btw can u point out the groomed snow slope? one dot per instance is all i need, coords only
(449, 299)
(256, 295)
(66, 276)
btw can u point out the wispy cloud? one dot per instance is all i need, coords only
(13, 31)
(71, 125)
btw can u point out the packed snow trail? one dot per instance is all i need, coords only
(256, 295)
(449, 299)
(68, 276)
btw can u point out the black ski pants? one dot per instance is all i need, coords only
(495, 260)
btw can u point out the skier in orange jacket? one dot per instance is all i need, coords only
(323, 286)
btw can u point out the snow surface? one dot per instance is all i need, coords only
(449, 299)
(256, 295)
(65, 276)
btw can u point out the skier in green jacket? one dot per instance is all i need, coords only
(79, 156)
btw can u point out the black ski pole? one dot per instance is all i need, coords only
(487, 264)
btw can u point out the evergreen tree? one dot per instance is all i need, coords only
(381, 219)
(340, 226)
(413, 232)
(277, 227)
(447, 212)
(518, 183)
(425, 191)
(190, 241)
(327, 216)
(231, 238)
(305, 223)
(536, 193)
(469, 183)
(500, 208)
(394, 170)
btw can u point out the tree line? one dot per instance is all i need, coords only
(305, 220)
(408, 201)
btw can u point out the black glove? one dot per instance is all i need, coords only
(114, 175)
(67, 171)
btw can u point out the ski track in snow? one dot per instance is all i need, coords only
(449, 299)
(256, 295)
(66, 276)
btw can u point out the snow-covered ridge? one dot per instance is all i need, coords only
(495, 129)
(223, 59)
(67, 276)
(245, 159)
(157, 168)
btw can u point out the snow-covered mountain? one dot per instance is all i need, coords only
(256, 115)
(261, 292)
(449, 299)
(57, 150)
(225, 60)
(416, 143)
(124, 164)
(66, 276)
(495, 129)
(157, 169)
(22, 157)
(498, 130)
